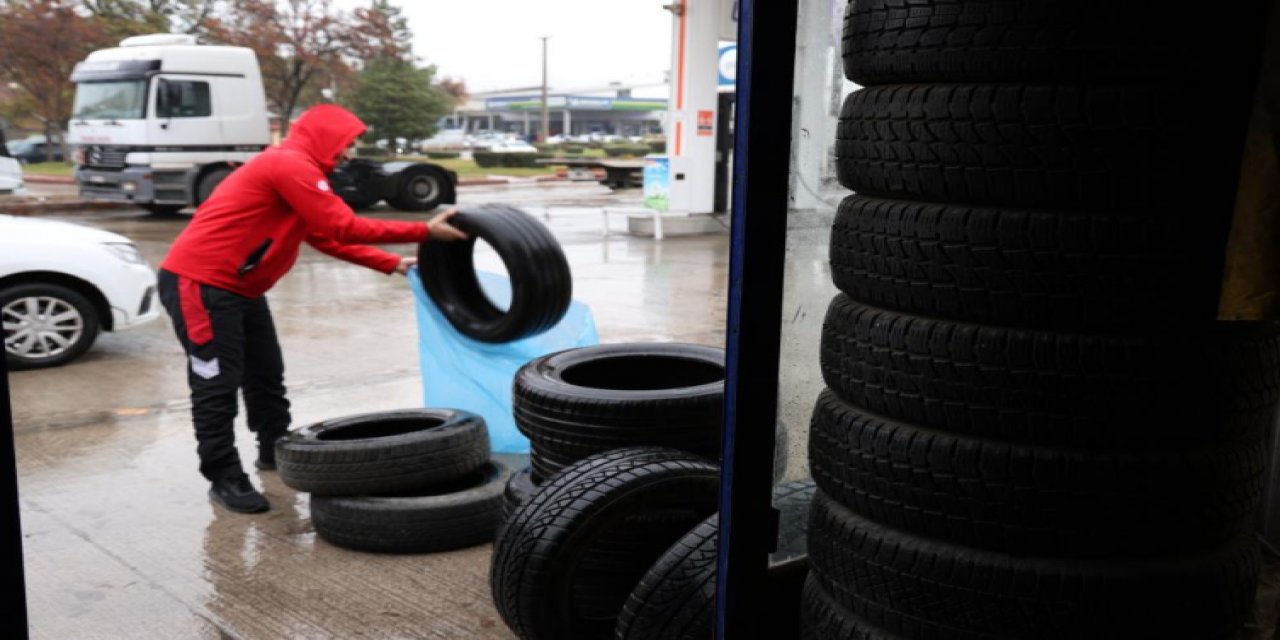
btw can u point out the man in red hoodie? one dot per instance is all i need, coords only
(243, 239)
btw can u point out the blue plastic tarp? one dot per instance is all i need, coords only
(461, 373)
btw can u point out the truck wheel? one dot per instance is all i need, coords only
(420, 188)
(208, 182)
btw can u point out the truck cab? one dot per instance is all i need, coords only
(160, 120)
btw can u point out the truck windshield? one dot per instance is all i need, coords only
(112, 100)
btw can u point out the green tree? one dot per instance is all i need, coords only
(397, 99)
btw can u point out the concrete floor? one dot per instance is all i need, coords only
(120, 539)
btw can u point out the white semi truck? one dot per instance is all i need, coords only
(161, 120)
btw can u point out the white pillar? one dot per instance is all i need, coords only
(691, 139)
(568, 121)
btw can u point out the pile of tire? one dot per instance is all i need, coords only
(406, 481)
(1034, 425)
(579, 402)
(622, 544)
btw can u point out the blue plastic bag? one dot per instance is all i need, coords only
(461, 373)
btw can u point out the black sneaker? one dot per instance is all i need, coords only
(264, 465)
(237, 494)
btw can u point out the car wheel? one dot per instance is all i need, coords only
(45, 325)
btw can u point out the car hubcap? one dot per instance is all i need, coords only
(422, 187)
(40, 327)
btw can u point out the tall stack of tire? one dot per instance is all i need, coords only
(1034, 425)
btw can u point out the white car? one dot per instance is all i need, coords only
(62, 283)
(512, 146)
(11, 177)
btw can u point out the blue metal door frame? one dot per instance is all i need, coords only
(762, 152)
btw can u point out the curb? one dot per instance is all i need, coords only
(29, 208)
(39, 179)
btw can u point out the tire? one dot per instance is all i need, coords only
(384, 452)
(419, 188)
(541, 285)
(209, 182)
(518, 491)
(550, 576)
(676, 598)
(162, 209)
(1128, 149)
(903, 41)
(579, 402)
(454, 515)
(46, 325)
(792, 500)
(919, 587)
(822, 618)
(1035, 501)
(1014, 267)
(1169, 390)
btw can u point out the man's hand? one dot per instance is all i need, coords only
(405, 263)
(441, 229)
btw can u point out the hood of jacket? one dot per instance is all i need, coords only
(322, 132)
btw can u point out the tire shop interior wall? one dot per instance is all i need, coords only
(819, 92)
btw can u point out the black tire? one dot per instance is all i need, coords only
(1169, 390)
(676, 598)
(792, 500)
(1074, 148)
(162, 210)
(902, 41)
(541, 285)
(822, 618)
(1014, 267)
(1037, 501)
(551, 579)
(46, 325)
(389, 451)
(518, 491)
(419, 188)
(924, 588)
(578, 402)
(462, 513)
(208, 182)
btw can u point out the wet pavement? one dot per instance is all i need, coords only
(120, 539)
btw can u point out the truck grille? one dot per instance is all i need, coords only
(105, 157)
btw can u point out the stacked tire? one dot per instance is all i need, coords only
(576, 403)
(1034, 426)
(408, 481)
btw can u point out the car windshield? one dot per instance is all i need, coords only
(113, 100)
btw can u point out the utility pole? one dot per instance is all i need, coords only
(546, 114)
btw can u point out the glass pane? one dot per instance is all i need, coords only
(183, 99)
(818, 92)
(117, 100)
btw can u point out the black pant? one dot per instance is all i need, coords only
(231, 345)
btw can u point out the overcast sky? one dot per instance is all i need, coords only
(494, 44)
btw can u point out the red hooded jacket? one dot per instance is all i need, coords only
(246, 236)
